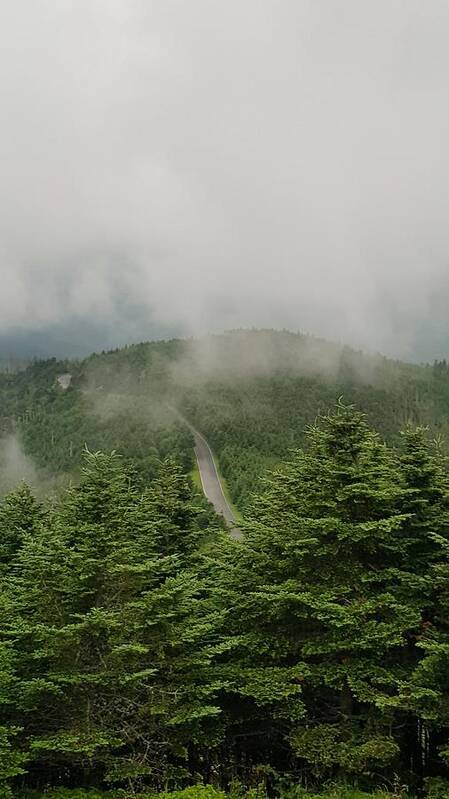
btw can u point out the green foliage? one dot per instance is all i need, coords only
(323, 746)
(330, 589)
(103, 607)
(272, 385)
(195, 792)
(236, 791)
(102, 409)
(12, 762)
(143, 649)
(20, 515)
(340, 791)
(252, 393)
(436, 788)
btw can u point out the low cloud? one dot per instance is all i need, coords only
(211, 165)
(15, 466)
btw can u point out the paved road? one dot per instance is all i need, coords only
(210, 480)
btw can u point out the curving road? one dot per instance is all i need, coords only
(211, 483)
(210, 480)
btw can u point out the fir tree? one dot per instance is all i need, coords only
(323, 590)
(114, 644)
(20, 515)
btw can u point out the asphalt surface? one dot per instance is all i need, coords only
(211, 484)
(210, 480)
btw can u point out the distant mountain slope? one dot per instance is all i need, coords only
(250, 392)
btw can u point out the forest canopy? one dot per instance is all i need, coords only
(144, 649)
(252, 393)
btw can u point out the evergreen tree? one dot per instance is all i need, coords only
(167, 507)
(424, 471)
(12, 757)
(422, 696)
(114, 644)
(20, 515)
(139, 649)
(323, 590)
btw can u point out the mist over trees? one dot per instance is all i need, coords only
(142, 648)
(224, 564)
(252, 393)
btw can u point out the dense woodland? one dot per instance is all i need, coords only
(143, 649)
(252, 393)
(55, 425)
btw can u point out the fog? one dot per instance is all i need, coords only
(208, 165)
(17, 467)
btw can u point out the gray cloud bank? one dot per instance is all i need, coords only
(212, 164)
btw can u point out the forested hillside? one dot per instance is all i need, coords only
(252, 393)
(143, 651)
(142, 648)
(54, 425)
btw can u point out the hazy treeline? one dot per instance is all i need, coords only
(251, 392)
(257, 391)
(54, 425)
(142, 647)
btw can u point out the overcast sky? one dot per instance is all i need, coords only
(218, 163)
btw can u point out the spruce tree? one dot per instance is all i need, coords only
(13, 758)
(321, 587)
(114, 639)
(424, 471)
(424, 693)
(20, 514)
